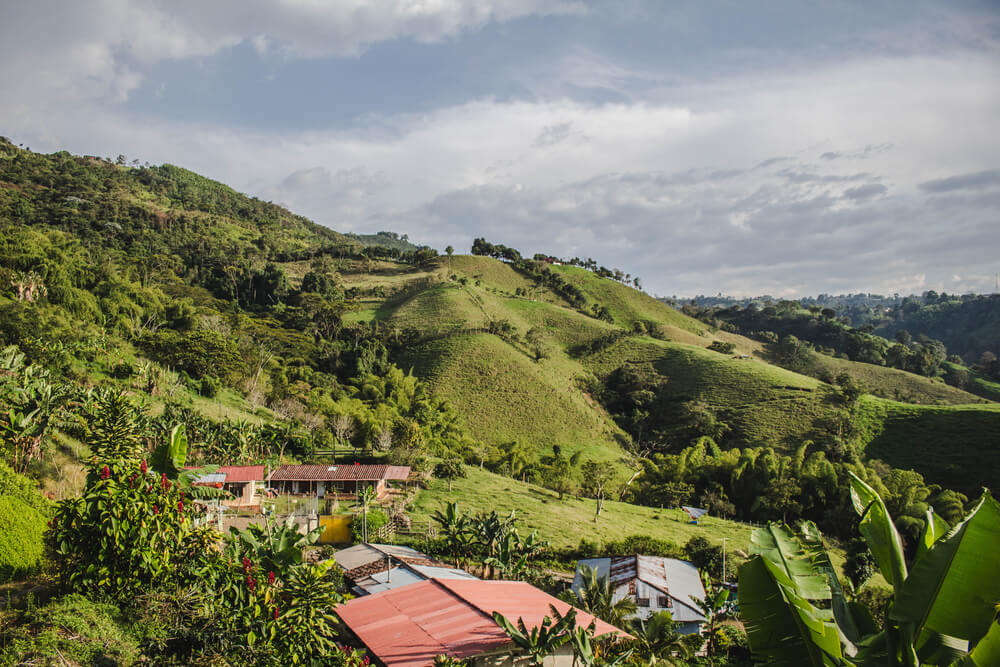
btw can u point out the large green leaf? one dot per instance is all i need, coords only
(986, 653)
(954, 587)
(878, 530)
(934, 529)
(783, 627)
(778, 544)
(812, 543)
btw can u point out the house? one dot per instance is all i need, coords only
(373, 568)
(655, 583)
(322, 480)
(408, 626)
(242, 482)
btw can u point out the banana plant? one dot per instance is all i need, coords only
(542, 640)
(169, 459)
(944, 605)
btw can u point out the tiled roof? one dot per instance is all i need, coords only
(338, 473)
(408, 626)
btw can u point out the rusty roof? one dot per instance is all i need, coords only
(243, 473)
(339, 473)
(408, 626)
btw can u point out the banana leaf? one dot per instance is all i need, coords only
(783, 627)
(934, 529)
(812, 543)
(954, 587)
(986, 653)
(878, 530)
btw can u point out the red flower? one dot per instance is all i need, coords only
(105, 472)
(180, 505)
(276, 613)
(156, 509)
(251, 584)
(270, 578)
(163, 481)
(143, 468)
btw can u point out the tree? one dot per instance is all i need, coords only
(714, 607)
(449, 469)
(657, 639)
(542, 640)
(596, 478)
(456, 528)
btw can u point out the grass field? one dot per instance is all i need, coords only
(627, 305)
(957, 446)
(565, 522)
(979, 384)
(892, 383)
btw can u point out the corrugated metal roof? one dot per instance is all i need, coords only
(677, 578)
(408, 626)
(339, 473)
(431, 572)
(363, 554)
(243, 473)
(210, 478)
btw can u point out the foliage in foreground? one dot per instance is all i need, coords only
(942, 612)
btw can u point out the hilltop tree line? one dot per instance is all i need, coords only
(967, 324)
(793, 331)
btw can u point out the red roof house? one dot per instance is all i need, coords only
(319, 480)
(409, 626)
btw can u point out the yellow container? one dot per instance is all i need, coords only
(336, 528)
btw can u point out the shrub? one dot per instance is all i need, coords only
(14, 485)
(721, 347)
(122, 371)
(643, 544)
(21, 531)
(376, 519)
(123, 535)
(71, 630)
(210, 386)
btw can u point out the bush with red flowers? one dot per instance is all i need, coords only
(123, 535)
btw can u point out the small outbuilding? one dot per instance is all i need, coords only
(654, 583)
(373, 568)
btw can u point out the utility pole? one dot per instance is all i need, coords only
(723, 560)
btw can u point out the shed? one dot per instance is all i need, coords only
(373, 568)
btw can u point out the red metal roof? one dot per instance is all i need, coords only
(244, 473)
(408, 626)
(338, 473)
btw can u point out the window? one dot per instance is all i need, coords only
(665, 602)
(642, 602)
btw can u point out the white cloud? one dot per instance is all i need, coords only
(833, 178)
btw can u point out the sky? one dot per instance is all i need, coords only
(787, 148)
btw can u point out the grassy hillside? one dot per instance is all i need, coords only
(565, 522)
(628, 305)
(889, 383)
(503, 395)
(957, 446)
